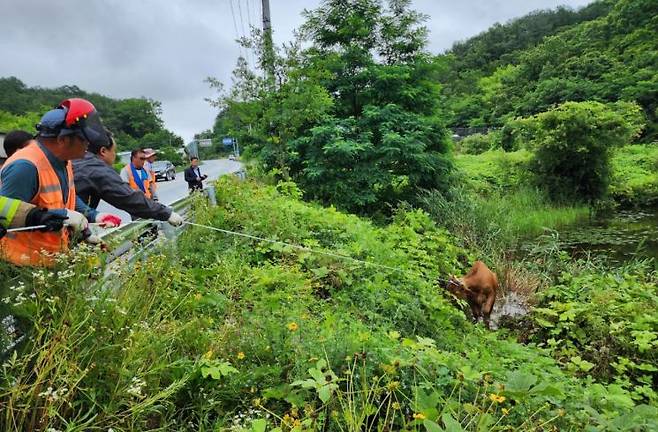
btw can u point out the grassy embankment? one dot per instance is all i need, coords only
(222, 333)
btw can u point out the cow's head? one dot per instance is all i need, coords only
(456, 287)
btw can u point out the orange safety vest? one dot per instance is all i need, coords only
(34, 248)
(133, 184)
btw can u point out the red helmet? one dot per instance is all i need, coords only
(73, 116)
(77, 109)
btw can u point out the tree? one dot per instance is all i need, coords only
(573, 142)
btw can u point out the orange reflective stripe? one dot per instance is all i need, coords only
(35, 248)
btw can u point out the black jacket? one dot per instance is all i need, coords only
(95, 180)
(191, 178)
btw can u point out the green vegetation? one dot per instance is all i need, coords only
(499, 222)
(634, 175)
(603, 322)
(218, 332)
(572, 145)
(134, 122)
(353, 119)
(604, 53)
(223, 333)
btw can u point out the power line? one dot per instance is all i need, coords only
(244, 34)
(235, 26)
(250, 26)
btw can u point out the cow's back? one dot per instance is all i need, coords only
(481, 280)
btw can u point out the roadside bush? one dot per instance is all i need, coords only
(170, 154)
(573, 143)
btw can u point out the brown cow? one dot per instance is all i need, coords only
(478, 288)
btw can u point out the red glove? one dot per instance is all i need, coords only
(108, 220)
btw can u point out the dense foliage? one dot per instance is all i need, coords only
(354, 118)
(572, 146)
(136, 122)
(240, 335)
(604, 323)
(606, 57)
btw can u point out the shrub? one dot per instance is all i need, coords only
(478, 143)
(573, 143)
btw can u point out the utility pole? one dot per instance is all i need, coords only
(268, 52)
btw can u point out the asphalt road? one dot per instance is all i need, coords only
(170, 191)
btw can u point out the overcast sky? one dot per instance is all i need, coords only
(164, 49)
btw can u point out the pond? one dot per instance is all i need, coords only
(616, 237)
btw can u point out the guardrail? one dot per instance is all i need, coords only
(138, 237)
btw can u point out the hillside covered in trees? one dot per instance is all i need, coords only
(136, 122)
(605, 52)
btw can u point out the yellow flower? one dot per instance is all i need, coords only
(419, 416)
(240, 355)
(496, 398)
(293, 326)
(393, 385)
(396, 405)
(208, 355)
(197, 296)
(505, 411)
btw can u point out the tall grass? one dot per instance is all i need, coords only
(500, 222)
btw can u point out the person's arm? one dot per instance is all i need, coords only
(20, 180)
(83, 208)
(114, 191)
(13, 212)
(190, 177)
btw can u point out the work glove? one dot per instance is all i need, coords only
(175, 219)
(90, 238)
(52, 221)
(76, 221)
(108, 220)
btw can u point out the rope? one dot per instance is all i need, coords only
(303, 248)
(27, 228)
(37, 227)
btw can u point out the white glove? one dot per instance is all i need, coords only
(175, 219)
(77, 221)
(93, 239)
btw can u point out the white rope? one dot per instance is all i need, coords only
(27, 228)
(302, 248)
(37, 227)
